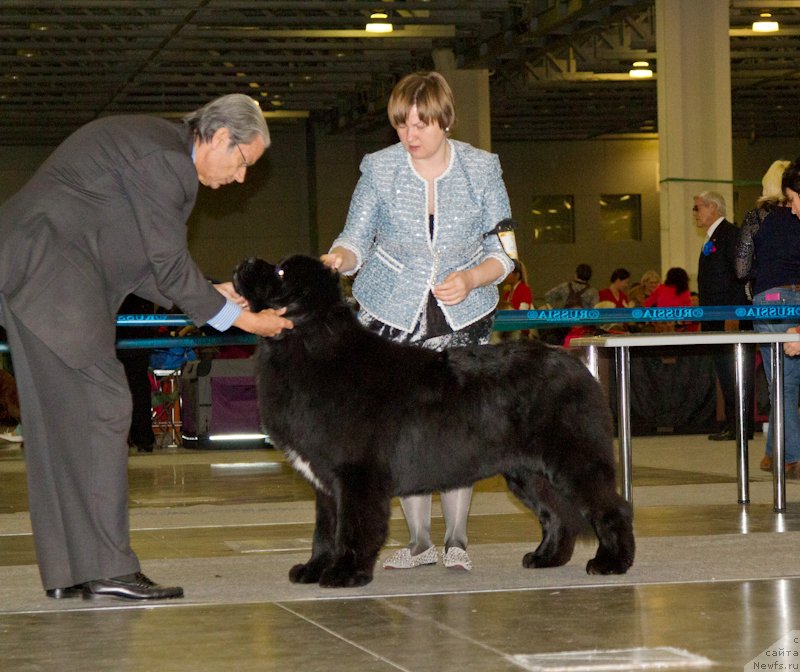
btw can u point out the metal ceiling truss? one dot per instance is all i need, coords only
(558, 68)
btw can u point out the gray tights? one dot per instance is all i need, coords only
(455, 508)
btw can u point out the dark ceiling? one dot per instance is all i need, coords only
(558, 67)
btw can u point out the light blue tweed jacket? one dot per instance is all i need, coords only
(387, 229)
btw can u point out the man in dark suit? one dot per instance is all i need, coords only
(103, 217)
(718, 285)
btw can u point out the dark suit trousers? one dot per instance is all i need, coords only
(75, 425)
(725, 368)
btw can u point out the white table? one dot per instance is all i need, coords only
(624, 342)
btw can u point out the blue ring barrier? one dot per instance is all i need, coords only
(505, 320)
(186, 341)
(509, 320)
(527, 319)
(149, 320)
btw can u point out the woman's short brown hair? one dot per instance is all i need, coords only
(432, 95)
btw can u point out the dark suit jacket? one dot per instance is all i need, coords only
(717, 283)
(104, 216)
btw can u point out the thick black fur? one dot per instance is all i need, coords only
(366, 419)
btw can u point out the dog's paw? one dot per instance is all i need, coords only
(303, 574)
(599, 565)
(536, 560)
(341, 578)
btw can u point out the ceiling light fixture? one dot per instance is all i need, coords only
(640, 70)
(379, 23)
(765, 25)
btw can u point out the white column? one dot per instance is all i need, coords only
(694, 119)
(471, 91)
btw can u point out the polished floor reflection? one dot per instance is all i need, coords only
(716, 584)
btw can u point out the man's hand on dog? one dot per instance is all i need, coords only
(265, 323)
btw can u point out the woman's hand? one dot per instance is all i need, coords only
(333, 261)
(339, 259)
(455, 288)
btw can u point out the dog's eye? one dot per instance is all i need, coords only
(279, 272)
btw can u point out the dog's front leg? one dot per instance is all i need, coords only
(323, 545)
(363, 506)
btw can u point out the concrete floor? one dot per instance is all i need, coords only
(716, 584)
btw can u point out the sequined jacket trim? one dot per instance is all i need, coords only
(387, 230)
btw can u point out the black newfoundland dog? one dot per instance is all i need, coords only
(365, 419)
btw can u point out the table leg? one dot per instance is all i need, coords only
(778, 474)
(623, 361)
(742, 467)
(592, 362)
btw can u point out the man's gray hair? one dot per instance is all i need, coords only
(240, 114)
(716, 198)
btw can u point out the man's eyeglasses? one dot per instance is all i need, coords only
(245, 163)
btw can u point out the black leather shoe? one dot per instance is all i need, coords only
(724, 435)
(129, 587)
(63, 593)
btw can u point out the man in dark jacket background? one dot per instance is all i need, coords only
(718, 285)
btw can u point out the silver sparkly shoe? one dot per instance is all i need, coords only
(456, 558)
(403, 559)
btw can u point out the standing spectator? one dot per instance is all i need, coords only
(768, 257)
(718, 285)
(518, 294)
(105, 216)
(575, 293)
(615, 292)
(427, 273)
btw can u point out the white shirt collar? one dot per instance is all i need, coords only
(713, 227)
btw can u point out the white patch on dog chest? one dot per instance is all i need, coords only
(304, 467)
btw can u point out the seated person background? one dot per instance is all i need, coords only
(581, 330)
(642, 289)
(674, 292)
(615, 292)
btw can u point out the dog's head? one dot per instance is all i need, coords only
(303, 285)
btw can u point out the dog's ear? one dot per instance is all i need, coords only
(306, 287)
